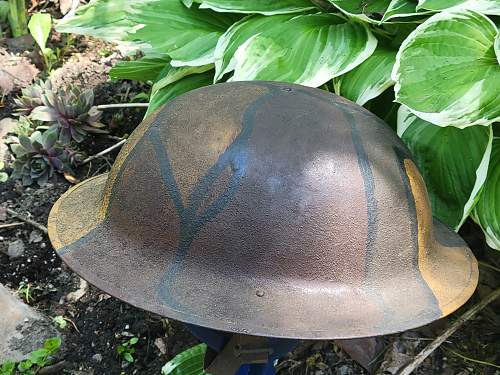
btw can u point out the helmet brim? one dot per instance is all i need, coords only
(135, 271)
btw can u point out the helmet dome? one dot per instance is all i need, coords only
(270, 209)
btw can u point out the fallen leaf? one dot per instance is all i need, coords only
(79, 293)
(71, 179)
(15, 72)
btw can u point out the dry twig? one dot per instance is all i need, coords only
(417, 361)
(10, 225)
(122, 105)
(27, 220)
(104, 152)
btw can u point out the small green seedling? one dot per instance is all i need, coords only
(36, 360)
(39, 26)
(60, 321)
(7, 368)
(25, 291)
(126, 349)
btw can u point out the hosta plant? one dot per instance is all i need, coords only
(428, 67)
(37, 158)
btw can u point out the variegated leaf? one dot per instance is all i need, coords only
(265, 7)
(172, 74)
(453, 162)
(487, 210)
(237, 35)
(145, 69)
(104, 19)
(187, 35)
(185, 84)
(308, 49)
(370, 79)
(401, 8)
(446, 71)
(483, 6)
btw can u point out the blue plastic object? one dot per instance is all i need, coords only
(216, 340)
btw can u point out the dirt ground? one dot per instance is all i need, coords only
(98, 323)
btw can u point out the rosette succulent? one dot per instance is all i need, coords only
(31, 97)
(71, 112)
(37, 157)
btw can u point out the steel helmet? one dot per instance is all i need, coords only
(268, 209)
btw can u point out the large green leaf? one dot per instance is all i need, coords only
(487, 210)
(187, 35)
(265, 7)
(308, 49)
(446, 71)
(401, 8)
(365, 10)
(188, 83)
(453, 163)
(157, 27)
(104, 19)
(370, 79)
(385, 108)
(172, 74)
(39, 27)
(238, 34)
(497, 47)
(482, 6)
(189, 362)
(145, 69)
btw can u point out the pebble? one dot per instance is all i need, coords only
(35, 237)
(97, 358)
(16, 249)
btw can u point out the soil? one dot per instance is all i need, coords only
(98, 323)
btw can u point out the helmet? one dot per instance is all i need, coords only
(268, 209)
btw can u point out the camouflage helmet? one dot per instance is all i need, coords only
(268, 209)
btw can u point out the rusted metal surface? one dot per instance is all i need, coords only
(266, 209)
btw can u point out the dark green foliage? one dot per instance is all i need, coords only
(126, 349)
(36, 360)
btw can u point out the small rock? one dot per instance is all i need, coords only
(97, 358)
(7, 125)
(22, 329)
(16, 249)
(35, 237)
(160, 344)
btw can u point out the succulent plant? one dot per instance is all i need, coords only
(37, 157)
(31, 97)
(71, 112)
(24, 127)
(73, 157)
